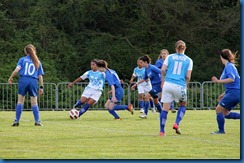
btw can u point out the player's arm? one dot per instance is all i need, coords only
(74, 82)
(14, 73)
(41, 84)
(163, 72)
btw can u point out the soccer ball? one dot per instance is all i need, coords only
(73, 114)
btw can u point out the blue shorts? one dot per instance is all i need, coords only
(28, 84)
(156, 89)
(119, 94)
(230, 99)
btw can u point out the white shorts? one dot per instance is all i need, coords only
(173, 92)
(92, 93)
(144, 88)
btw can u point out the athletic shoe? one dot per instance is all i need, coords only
(143, 116)
(162, 134)
(38, 124)
(176, 128)
(173, 110)
(141, 110)
(117, 119)
(153, 110)
(15, 123)
(218, 132)
(130, 109)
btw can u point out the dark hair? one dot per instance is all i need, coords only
(228, 55)
(95, 61)
(146, 58)
(102, 63)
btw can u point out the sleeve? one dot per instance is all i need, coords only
(145, 76)
(166, 61)
(40, 70)
(157, 70)
(190, 65)
(230, 71)
(85, 75)
(19, 64)
(134, 73)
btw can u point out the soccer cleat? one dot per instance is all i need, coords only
(130, 109)
(15, 123)
(176, 128)
(38, 124)
(153, 110)
(143, 116)
(162, 134)
(218, 132)
(141, 110)
(173, 110)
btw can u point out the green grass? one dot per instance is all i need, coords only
(98, 136)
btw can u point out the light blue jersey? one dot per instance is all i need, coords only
(96, 79)
(177, 67)
(139, 73)
(28, 69)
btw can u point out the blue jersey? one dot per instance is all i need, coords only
(230, 71)
(159, 63)
(28, 69)
(154, 74)
(112, 78)
(177, 67)
(96, 79)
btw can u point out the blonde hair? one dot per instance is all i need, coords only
(159, 56)
(31, 50)
(228, 55)
(180, 45)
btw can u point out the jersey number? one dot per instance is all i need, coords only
(29, 68)
(177, 68)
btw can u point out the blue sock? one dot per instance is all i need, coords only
(180, 114)
(84, 109)
(18, 112)
(146, 106)
(78, 103)
(120, 107)
(35, 110)
(151, 103)
(163, 118)
(221, 121)
(141, 104)
(159, 107)
(113, 113)
(233, 115)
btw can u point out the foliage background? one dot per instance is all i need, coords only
(68, 34)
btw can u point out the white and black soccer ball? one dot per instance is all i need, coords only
(74, 114)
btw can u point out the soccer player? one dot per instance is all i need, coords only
(117, 92)
(93, 90)
(231, 97)
(154, 74)
(30, 71)
(142, 88)
(159, 64)
(176, 74)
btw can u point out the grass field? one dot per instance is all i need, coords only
(98, 136)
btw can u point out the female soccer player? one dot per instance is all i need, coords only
(113, 103)
(159, 64)
(93, 90)
(231, 97)
(142, 88)
(176, 74)
(154, 74)
(30, 71)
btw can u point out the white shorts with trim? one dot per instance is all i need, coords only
(144, 88)
(173, 92)
(92, 93)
